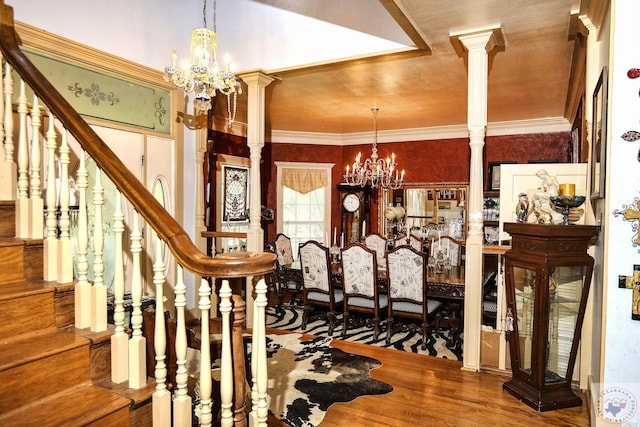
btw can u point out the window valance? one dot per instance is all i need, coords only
(304, 180)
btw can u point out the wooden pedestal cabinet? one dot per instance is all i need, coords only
(547, 278)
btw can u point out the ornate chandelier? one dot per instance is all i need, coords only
(200, 74)
(374, 171)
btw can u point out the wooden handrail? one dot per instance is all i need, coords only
(237, 264)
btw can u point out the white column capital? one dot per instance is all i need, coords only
(257, 78)
(485, 39)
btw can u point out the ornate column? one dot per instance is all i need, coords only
(257, 82)
(476, 45)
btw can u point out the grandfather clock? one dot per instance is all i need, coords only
(355, 204)
(547, 277)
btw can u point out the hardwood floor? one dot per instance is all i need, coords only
(429, 391)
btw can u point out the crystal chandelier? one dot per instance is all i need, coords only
(374, 171)
(201, 73)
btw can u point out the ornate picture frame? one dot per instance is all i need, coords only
(236, 181)
(599, 138)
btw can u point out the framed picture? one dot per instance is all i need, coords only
(493, 178)
(599, 138)
(235, 194)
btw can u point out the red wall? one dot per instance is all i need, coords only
(423, 161)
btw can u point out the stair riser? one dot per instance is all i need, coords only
(7, 219)
(33, 260)
(35, 380)
(26, 314)
(11, 264)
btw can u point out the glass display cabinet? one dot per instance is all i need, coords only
(547, 278)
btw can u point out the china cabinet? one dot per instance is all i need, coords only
(547, 277)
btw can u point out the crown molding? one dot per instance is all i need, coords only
(545, 125)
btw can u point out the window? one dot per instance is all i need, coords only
(304, 202)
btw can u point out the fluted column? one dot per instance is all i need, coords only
(256, 82)
(476, 45)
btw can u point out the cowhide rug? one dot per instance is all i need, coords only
(307, 377)
(290, 318)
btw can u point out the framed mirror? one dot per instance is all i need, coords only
(425, 206)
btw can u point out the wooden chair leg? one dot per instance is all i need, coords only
(389, 330)
(345, 319)
(305, 316)
(425, 334)
(331, 318)
(376, 328)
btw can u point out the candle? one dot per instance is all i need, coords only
(567, 190)
(342, 240)
(335, 230)
(364, 227)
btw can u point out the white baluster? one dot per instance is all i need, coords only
(51, 239)
(120, 339)
(83, 287)
(2, 155)
(260, 348)
(36, 204)
(161, 396)
(182, 413)
(22, 201)
(8, 168)
(226, 363)
(99, 290)
(205, 354)
(65, 251)
(137, 343)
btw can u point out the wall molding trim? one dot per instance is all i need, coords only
(544, 125)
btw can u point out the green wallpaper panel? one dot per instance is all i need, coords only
(105, 97)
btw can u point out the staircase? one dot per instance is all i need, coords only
(52, 374)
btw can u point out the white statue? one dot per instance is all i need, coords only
(542, 208)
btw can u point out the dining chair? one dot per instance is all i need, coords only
(317, 287)
(284, 257)
(400, 241)
(407, 292)
(359, 283)
(284, 253)
(416, 243)
(377, 243)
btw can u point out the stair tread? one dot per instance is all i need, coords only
(25, 348)
(79, 405)
(20, 289)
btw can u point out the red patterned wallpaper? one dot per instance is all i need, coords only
(423, 161)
